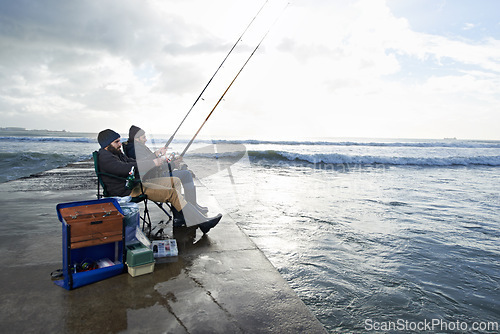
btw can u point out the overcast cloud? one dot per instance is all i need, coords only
(427, 69)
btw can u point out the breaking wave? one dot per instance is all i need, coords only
(422, 143)
(271, 156)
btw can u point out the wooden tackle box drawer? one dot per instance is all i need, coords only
(93, 224)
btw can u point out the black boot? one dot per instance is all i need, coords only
(178, 220)
(205, 227)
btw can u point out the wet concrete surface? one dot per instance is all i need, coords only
(219, 283)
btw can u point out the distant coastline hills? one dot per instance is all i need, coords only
(18, 131)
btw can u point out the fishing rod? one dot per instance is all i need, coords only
(209, 81)
(241, 69)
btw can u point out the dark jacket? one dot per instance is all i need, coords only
(144, 154)
(129, 149)
(120, 165)
(115, 164)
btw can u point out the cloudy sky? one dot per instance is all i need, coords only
(327, 68)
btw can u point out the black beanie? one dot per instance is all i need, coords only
(134, 131)
(106, 137)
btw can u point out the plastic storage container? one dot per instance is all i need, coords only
(140, 260)
(138, 254)
(141, 270)
(164, 248)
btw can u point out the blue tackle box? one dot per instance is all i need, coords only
(93, 241)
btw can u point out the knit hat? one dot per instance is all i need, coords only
(135, 131)
(106, 137)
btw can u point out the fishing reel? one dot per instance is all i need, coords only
(175, 160)
(172, 157)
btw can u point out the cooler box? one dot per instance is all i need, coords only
(92, 241)
(140, 259)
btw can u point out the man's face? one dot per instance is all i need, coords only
(115, 146)
(142, 139)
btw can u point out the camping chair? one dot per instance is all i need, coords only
(145, 218)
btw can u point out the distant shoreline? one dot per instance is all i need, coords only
(17, 132)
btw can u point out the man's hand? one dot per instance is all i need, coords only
(159, 161)
(176, 161)
(161, 152)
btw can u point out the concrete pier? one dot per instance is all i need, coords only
(219, 283)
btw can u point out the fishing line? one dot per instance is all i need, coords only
(209, 81)
(241, 69)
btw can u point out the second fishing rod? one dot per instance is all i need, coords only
(234, 79)
(209, 81)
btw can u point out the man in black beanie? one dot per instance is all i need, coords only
(106, 137)
(113, 161)
(129, 145)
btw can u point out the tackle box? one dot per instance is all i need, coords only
(140, 259)
(91, 231)
(164, 248)
(141, 269)
(138, 254)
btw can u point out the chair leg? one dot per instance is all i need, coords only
(160, 205)
(146, 219)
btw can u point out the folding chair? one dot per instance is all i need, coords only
(145, 218)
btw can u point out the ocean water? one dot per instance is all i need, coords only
(23, 156)
(373, 235)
